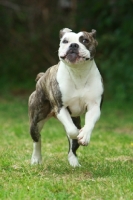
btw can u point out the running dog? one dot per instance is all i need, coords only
(66, 91)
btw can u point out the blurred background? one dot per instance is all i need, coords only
(29, 40)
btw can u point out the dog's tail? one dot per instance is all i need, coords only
(39, 76)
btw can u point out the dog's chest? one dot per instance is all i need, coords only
(77, 91)
(75, 100)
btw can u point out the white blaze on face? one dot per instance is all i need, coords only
(69, 38)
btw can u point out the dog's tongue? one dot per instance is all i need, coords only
(72, 57)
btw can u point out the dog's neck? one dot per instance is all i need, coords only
(79, 70)
(79, 73)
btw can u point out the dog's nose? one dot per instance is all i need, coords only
(74, 46)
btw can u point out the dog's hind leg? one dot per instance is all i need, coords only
(73, 145)
(38, 112)
(36, 155)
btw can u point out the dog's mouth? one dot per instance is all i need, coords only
(73, 57)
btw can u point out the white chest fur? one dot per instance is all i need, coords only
(79, 85)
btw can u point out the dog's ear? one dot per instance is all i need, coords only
(93, 33)
(63, 31)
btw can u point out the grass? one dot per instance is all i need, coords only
(107, 163)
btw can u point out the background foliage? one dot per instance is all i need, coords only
(29, 40)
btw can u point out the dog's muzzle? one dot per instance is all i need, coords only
(73, 53)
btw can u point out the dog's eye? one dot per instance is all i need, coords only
(85, 41)
(64, 41)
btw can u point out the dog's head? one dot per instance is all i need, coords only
(77, 47)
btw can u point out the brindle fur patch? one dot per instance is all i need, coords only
(90, 43)
(45, 101)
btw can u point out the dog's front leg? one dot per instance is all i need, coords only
(92, 115)
(65, 118)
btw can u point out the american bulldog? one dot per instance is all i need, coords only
(66, 91)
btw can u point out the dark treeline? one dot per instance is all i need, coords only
(29, 40)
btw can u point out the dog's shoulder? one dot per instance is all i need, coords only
(53, 70)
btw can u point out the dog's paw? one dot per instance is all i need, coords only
(83, 142)
(36, 160)
(73, 160)
(83, 137)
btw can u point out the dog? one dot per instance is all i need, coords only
(67, 90)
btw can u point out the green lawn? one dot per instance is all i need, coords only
(106, 170)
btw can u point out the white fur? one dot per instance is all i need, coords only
(66, 120)
(73, 160)
(36, 155)
(81, 88)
